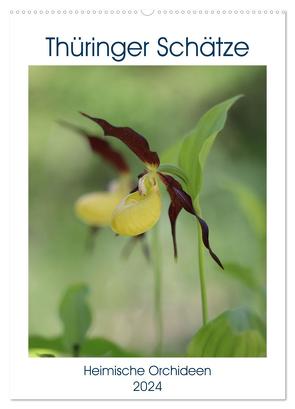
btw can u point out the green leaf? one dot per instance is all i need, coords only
(104, 347)
(173, 170)
(198, 143)
(91, 347)
(76, 317)
(43, 353)
(234, 333)
(55, 343)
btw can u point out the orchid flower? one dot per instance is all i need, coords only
(96, 208)
(140, 210)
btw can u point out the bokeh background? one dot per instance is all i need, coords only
(162, 103)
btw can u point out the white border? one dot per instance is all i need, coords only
(228, 371)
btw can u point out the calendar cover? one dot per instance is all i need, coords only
(148, 183)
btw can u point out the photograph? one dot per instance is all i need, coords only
(147, 211)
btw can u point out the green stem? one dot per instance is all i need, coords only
(157, 264)
(201, 268)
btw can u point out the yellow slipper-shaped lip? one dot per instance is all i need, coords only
(137, 213)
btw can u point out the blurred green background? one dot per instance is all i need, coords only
(162, 103)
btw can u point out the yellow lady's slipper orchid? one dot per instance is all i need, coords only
(140, 210)
(96, 208)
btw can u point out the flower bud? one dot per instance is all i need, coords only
(96, 208)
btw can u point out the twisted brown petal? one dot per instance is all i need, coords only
(101, 147)
(135, 142)
(180, 199)
(173, 212)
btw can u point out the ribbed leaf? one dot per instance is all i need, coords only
(234, 333)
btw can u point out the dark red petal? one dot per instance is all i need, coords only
(136, 142)
(104, 149)
(205, 238)
(180, 199)
(173, 212)
(101, 147)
